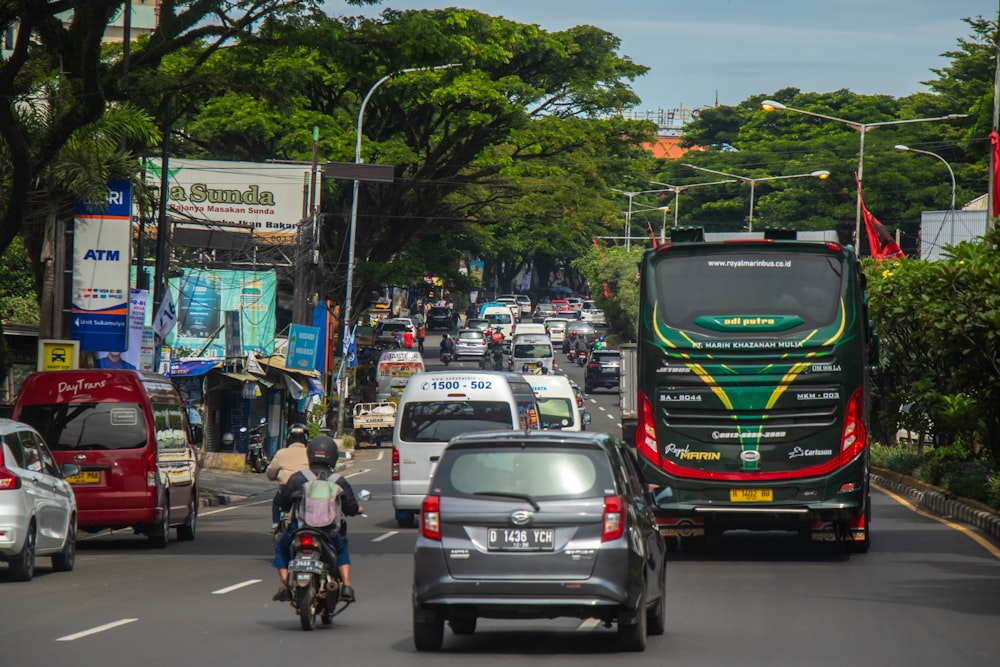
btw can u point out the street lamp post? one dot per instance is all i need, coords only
(678, 189)
(663, 225)
(821, 174)
(951, 209)
(354, 225)
(628, 213)
(862, 129)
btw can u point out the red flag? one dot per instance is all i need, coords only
(652, 234)
(995, 140)
(880, 241)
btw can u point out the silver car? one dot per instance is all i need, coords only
(535, 524)
(470, 344)
(37, 505)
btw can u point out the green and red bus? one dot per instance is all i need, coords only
(754, 353)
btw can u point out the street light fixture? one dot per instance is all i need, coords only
(678, 189)
(821, 174)
(354, 221)
(862, 128)
(951, 209)
(628, 213)
(663, 225)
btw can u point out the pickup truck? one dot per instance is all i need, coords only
(373, 422)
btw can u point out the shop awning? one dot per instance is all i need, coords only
(277, 362)
(247, 377)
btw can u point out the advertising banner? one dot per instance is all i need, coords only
(266, 198)
(131, 357)
(303, 342)
(204, 295)
(101, 266)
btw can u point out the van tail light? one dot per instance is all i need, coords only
(855, 437)
(430, 518)
(152, 471)
(8, 480)
(645, 432)
(395, 464)
(613, 519)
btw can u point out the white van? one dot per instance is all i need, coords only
(557, 406)
(531, 328)
(499, 316)
(436, 407)
(531, 353)
(393, 372)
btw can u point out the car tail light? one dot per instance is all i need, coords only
(395, 464)
(645, 432)
(8, 480)
(854, 435)
(152, 471)
(593, 365)
(430, 518)
(613, 519)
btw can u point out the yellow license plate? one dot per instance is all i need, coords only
(751, 495)
(89, 477)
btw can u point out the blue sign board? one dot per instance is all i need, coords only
(302, 344)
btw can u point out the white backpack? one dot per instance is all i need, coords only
(320, 506)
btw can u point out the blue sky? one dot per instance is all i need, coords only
(699, 49)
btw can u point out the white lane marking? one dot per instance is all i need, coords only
(94, 631)
(589, 625)
(386, 536)
(611, 417)
(602, 408)
(381, 453)
(358, 472)
(594, 401)
(230, 508)
(236, 587)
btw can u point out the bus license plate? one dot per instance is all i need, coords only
(751, 495)
(88, 477)
(520, 539)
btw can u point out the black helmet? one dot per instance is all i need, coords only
(322, 449)
(298, 433)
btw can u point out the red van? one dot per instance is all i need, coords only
(128, 432)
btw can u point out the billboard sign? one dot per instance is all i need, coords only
(101, 265)
(303, 342)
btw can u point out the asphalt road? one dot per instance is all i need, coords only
(926, 594)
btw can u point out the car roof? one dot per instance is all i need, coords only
(534, 437)
(10, 426)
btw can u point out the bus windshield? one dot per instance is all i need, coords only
(748, 283)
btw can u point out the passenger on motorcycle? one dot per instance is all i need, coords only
(286, 462)
(447, 344)
(496, 348)
(322, 451)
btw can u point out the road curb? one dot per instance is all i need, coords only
(938, 503)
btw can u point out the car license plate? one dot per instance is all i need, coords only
(751, 495)
(520, 539)
(306, 565)
(87, 477)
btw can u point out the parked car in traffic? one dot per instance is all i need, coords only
(478, 324)
(388, 332)
(592, 314)
(524, 301)
(537, 525)
(604, 369)
(470, 344)
(543, 311)
(440, 317)
(37, 504)
(556, 326)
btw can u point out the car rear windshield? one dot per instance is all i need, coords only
(749, 283)
(439, 312)
(543, 473)
(440, 421)
(533, 351)
(555, 413)
(607, 356)
(498, 318)
(471, 335)
(88, 426)
(394, 326)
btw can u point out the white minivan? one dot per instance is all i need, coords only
(499, 316)
(393, 371)
(438, 405)
(531, 353)
(557, 406)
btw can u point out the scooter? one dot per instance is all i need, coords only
(446, 357)
(256, 457)
(313, 576)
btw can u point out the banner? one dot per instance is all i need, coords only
(131, 357)
(880, 241)
(101, 265)
(302, 345)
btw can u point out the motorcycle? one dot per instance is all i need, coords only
(256, 457)
(313, 577)
(446, 357)
(581, 358)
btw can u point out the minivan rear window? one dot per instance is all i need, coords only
(541, 473)
(440, 421)
(88, 426)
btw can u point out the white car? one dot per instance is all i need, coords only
(556, 326)
(37, 504)
(591, 313)
(524, 301)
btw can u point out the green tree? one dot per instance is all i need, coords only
(615, 270)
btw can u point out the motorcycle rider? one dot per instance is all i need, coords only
(286, 462)
(496, 348)
(599, 343)
(322, 453)
(447, 345)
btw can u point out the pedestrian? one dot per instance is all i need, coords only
(421, 334)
